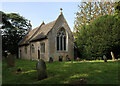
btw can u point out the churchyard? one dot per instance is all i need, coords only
(92, 40)
(65, 72)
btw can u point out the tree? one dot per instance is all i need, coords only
(117, 10)
(14, 27)
(89, 11)
(100, 37)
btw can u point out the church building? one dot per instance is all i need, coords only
(53, 40)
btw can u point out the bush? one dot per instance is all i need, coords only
(99, 58)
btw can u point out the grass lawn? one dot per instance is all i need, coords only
(93, 72)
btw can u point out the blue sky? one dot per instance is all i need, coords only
(42, 11)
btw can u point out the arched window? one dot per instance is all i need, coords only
(33, 49)
(61, 40)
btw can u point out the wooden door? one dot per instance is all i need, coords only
(38, 54)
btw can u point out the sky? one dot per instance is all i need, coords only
(37, 12)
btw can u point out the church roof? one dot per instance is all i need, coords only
(42, 33)
(39, 32)
(27, 37)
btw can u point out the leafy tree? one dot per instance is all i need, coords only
(14, 27)
(117, 10)
(89, 11)
(100, 37)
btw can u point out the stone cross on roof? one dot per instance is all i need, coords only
(29, 26)
(61, 9)
(30, 23)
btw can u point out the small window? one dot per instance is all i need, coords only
(25, 49)
(33, 49)
(42, 47)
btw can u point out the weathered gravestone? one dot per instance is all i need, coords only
(41, 70)
(50, 60)
(60, 58)
(67, 58)
(78, 59)
(10, 60)
(19, 70)
(105, 58)
(113, 57)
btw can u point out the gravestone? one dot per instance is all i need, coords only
(67, 58)
(50, 60)
(105, 58)
(113, 57)
(19, 70)
(41, 70)
(60, 58)
(10, 60)
(78, 59)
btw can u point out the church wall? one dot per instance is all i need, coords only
(70, 41)
(24, 55)
(34, 56)
(52, 41)
(43, 56)
(71, 49)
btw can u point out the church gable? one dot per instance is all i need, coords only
(60, 39)
(61, 23)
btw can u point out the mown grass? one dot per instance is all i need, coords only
(94, 72)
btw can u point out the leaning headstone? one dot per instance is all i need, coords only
(50, 60)
(41, 70)
(105, 58)
(113, 57)
(10, 60)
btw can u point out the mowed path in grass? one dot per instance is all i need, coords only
(93, 72)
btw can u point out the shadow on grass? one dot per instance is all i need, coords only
(64, 73)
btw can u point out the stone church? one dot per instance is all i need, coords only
(53, 40)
